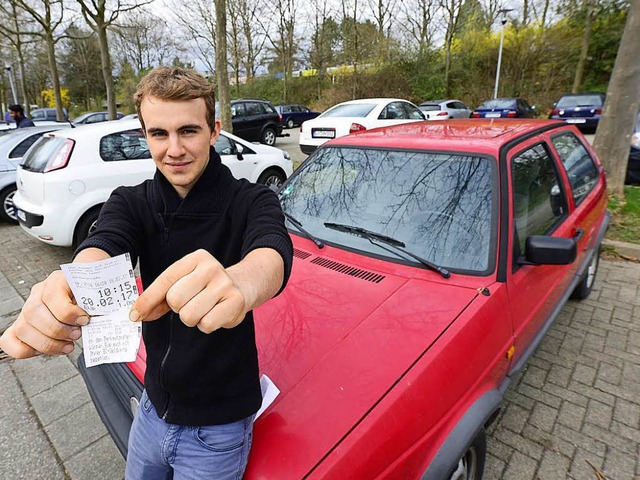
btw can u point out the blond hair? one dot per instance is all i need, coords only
(175, 83)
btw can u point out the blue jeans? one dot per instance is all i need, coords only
(160, 450)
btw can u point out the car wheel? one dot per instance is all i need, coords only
(86, 226)
(8, 212)
(583, 289)
(271, 178)
(290, 123)
(268, 137)
(470, 466)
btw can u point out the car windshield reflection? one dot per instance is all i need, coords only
(440, 205)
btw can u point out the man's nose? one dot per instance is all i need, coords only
(176, 149)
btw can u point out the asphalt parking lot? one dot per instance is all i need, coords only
(574, 413)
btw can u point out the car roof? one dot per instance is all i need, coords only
(373, 100)
(99, 129)
(481, 135)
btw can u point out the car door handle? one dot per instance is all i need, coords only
(578, 235)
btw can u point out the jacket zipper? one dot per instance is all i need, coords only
(166, 353)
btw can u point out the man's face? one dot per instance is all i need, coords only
(14, 115)
(179, 138)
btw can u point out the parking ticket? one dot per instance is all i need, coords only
(106, 290)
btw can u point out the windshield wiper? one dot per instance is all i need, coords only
(397, 244)
(298, 225)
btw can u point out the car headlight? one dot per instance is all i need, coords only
(635, 140)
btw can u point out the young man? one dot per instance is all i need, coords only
(211, 248)
(17, 113)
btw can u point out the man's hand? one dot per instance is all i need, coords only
(48, 323)
(199, 289)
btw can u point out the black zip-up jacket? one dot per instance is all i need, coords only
(194, 378)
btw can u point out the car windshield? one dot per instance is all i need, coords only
(440, 205)
(83, 117)
(350, 110)
(580, 101)
(498, 103)
(429, 108)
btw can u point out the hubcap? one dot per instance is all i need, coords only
(467, 466)
(92, 227)
(8, 206)
(273, 180)
(269, 137)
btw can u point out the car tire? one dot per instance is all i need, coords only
(7, 212)
(86, 225)
(290, 123)
(470, 466)
(268, 136)
(583, 289)
(271, 177)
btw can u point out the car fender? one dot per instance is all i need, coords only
(461, 436)
(80, 206)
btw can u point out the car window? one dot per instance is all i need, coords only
(268, 108)
(440, 205)
(413, 113)
(429, 108)
(498, 103)
(225, 146)
(350, 110)
(393, 111)
(38, 115)
(238, 110)
(451, 105)
(571, 101)
(24, 145)
(581, 170)
(539, 202)
(127, 145)
(460, 106)
(253, 108)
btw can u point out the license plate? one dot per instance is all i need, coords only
(323, 133)
(576, 120)
(21, 215)
(492, 115)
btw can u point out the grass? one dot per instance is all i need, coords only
(625, 216)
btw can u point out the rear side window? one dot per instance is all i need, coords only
(254, 108)
(43, 150)
(127, 145)
(24, 145)
(582, 171)
(350, 110)
(538, 200)
(413, 113)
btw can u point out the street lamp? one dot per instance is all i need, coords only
(503, 12)
(7, 67)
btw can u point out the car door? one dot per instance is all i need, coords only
(585, 184)
(227, 148)
(255, 115)
(539, 206)
(239, 119)
(462, 111)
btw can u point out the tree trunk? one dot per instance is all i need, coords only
(584, 51)
(222, 75)
(447, 67)
(23, 80)
(55, 78)
(107, 72)
(621, 107)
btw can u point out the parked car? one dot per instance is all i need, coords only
(67, 176)
(46, 114)
(95, 117)
(12, 149)
(580, 109)
(356, 116)
(505, 108)
(633, 166)
(444, 109)
(293, 115)
(255, 120)
(130, 116)
(448, 249)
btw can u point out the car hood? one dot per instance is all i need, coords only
(342, 333)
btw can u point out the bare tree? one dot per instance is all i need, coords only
(250, 11)
(235, 41)
(100, 17)
(382, 14)
(197, 19)
(621, 107)
(588, 11)
(417, 23)
(451, 10)
(324, 35)
(49, 15)
(222, 75)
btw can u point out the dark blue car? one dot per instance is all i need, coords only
(580, 109)
(294, 114)
(505, 108)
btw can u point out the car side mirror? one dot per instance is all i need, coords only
(239, 151)
(533, 107)
(545, 250)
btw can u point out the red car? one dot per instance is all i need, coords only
(430, 260)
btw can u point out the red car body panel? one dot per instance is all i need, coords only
(378, 361)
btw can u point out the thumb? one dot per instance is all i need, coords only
(143, 310)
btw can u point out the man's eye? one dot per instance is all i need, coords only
(158, 134)
(189, 131)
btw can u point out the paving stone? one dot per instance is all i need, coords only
(608, 373)
(101, 456)
(520, 443)
(583, 464)
(494, 468)
(584, 374)
(559, 375)
(534, 376)
(521, 467)
(627, 413)
(580, 440)
(553, 467)
(514, 418)
(41, 373)
(572, 415)
(599, 414)
(549, 441)
(59, 400)
(543, 417)
(618, 464)
(609, 438)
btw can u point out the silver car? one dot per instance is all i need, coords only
(444, 109)
(13, 146)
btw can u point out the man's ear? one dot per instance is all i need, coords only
(217, 126)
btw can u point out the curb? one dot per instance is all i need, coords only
(629, 250)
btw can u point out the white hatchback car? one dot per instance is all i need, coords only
(67, 176)
(355, 116)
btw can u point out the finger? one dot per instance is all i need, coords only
(189, 286)
(43, 320)
(31, 336)
(57, 296)
(226, 314)
(201, 304)
(14, 347)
